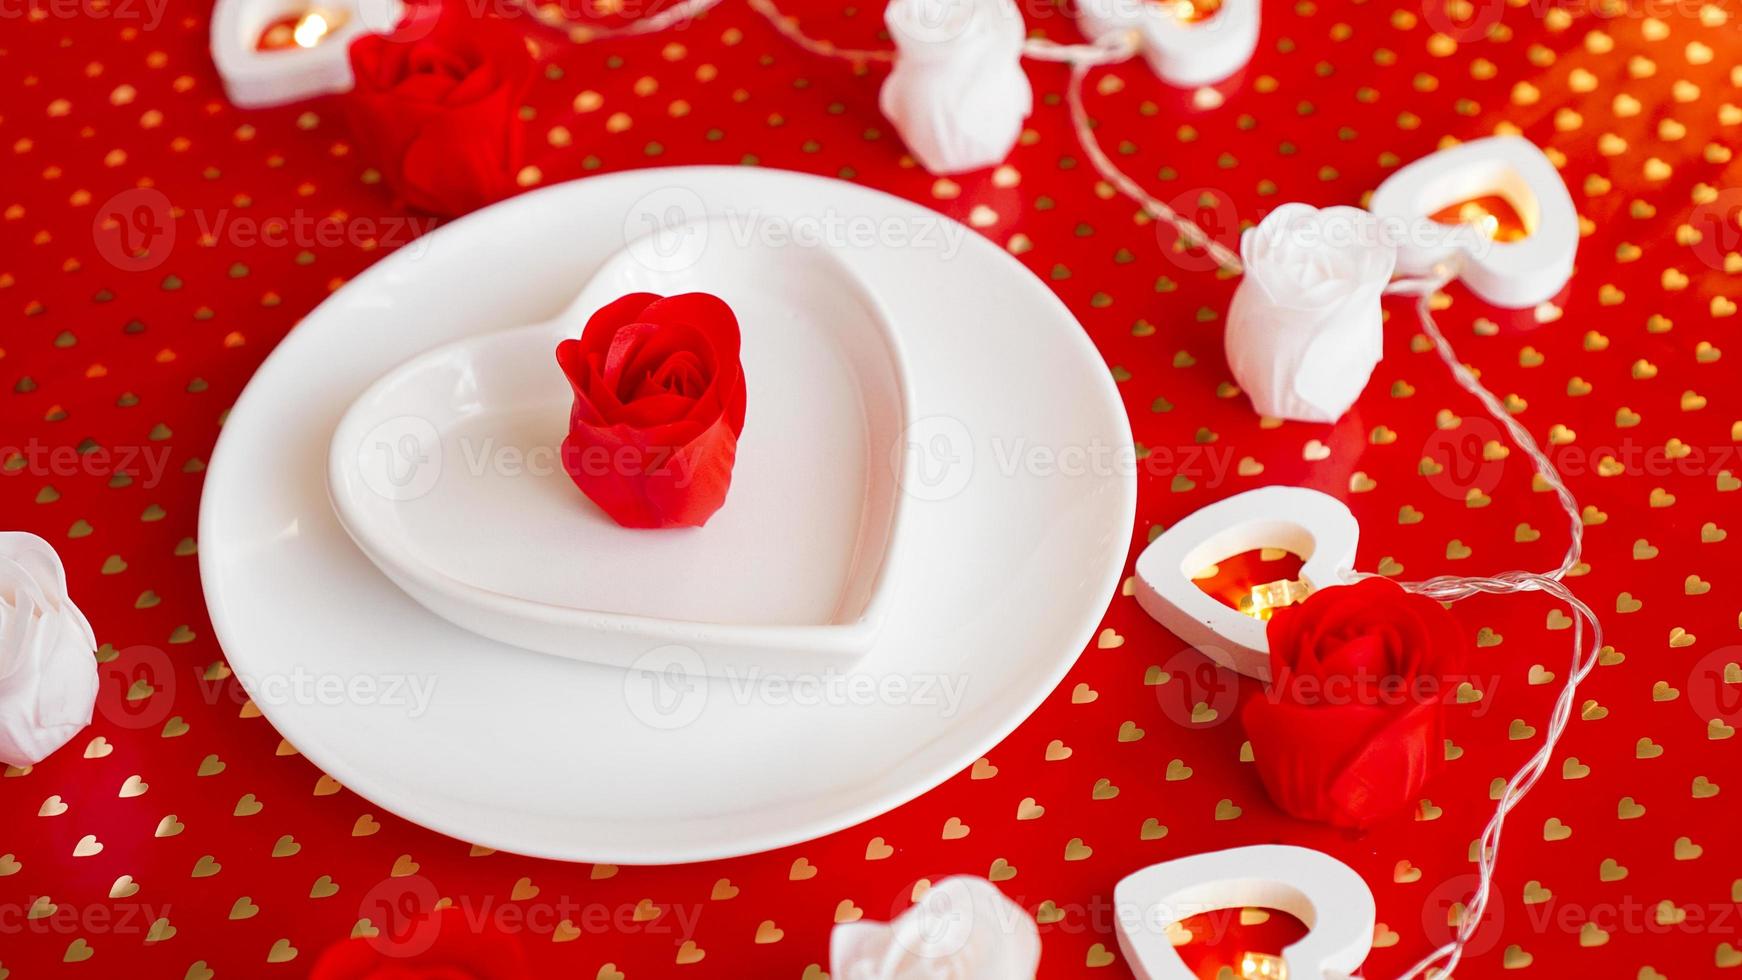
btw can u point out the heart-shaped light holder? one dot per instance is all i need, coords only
(1512, 274)
(1313, 525)
(1181, 48)
(1321, 891)
(255, 79)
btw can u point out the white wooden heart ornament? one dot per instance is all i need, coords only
(317, 63)
(1313, 525)
(1321, 891)
(1512, 274)
(1186, 43)
(958, 94)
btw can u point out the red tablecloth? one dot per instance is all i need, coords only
(222, 851)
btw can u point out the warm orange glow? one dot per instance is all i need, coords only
(304, 30)
(1191, 11)
(1264, 599)
(1492, 215)
(1256, 582)
(1243, 944)
(1262, 966)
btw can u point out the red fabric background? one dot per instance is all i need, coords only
(1639, 365)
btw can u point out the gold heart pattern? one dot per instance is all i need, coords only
(234, 856)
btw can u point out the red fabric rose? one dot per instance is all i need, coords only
(1352, 725)
(440, 945)
(435, 107)
(659, 403)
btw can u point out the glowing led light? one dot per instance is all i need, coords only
(310, 30)
(1492, 216)
(1192, 11)
(300, 31)
(1262, 600)
(1262, 966)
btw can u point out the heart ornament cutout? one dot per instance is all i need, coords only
(1185, 43)
(1509, 271)
(1313, 525)
(315, 61)
(446, 474)
(1321, 891)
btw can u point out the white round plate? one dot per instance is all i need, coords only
(1019, 513)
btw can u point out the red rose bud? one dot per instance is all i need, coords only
(435, 107)
(659, 404)
(439, 944)
(1353, 723)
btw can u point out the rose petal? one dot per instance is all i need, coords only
(641, 483)
(1351, 726)
(438, 945)
(1347, 765)
(714, 319)
(437, 114)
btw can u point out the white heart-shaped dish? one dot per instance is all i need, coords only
(1316, 526)
(255, 78)
(1321, 891)
(1511, 274)
(447, 474)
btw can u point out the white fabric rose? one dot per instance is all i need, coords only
(957, 94)
(963, 928)
(48, 676)
(1303, 332)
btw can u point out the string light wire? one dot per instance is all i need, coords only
(789, 29)
(1115, 48)
(1452, 588)
(675, 16)
(1187, 229)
